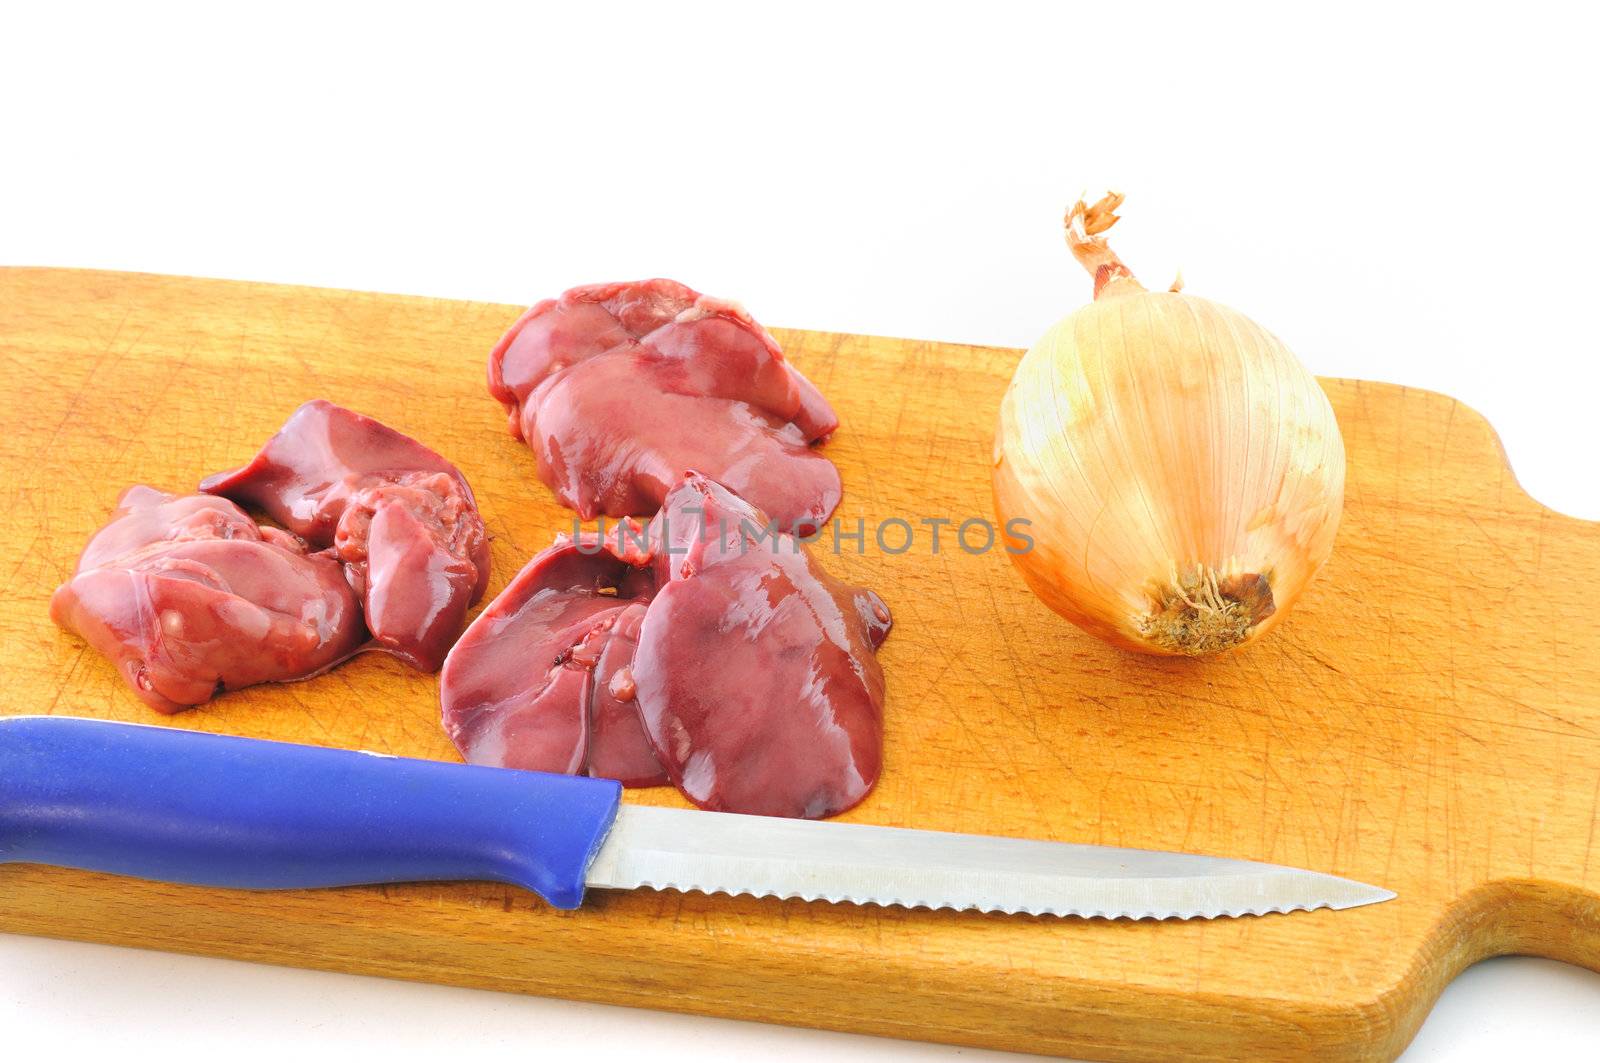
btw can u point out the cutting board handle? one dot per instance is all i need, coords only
(213, 810)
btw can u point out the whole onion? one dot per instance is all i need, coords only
(1180, 474)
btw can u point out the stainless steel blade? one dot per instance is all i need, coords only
(713, 852)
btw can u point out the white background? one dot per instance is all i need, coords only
(1404, 196)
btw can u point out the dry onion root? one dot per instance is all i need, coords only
(1181, 473)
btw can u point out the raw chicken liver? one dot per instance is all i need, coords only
(190, 597)
(620, 389)
(757, 676)
(531, 683)
(401, 518)
(702, 649)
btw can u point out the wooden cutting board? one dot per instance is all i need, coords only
(1428, 719)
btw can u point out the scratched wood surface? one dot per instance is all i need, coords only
(1427, 719)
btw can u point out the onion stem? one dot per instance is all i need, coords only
(1085, 224)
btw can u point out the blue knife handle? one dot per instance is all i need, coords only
(212, 810)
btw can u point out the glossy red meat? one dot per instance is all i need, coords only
(537, 681)
(757, 676)
(715, 655)
(401, 518)
(620, 389)
(190, 597)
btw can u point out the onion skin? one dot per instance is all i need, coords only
(1181, 472)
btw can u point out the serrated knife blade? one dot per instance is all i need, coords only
(714, 852)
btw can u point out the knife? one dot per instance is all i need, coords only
(214, 810)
